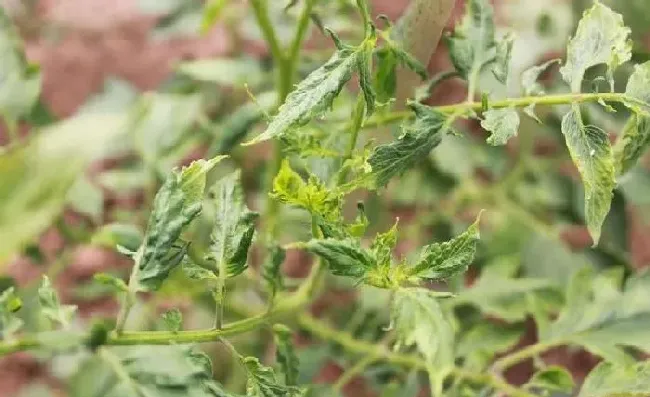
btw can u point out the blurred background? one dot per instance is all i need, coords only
(100, 54)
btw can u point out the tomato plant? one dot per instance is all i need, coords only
(433, 238)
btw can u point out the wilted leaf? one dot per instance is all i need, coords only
(417, 140)
(443, 260)
(601, 38)
(285, 354)
(176, 204)
(196, 272)
(502, 123)
(632, 143)
(263, 383)
(591, 152)
(472, 45)
(313, 95)
(51, 307)
(137, 371)
(234, 227)
(504, 55)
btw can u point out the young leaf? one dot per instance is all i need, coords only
(173, 319)
(530, 76)
(234, 226)
(609, 379)
(289, 188)
(632, 143)
(417, 140)
(420, 321)
(176, 204)
(9, 305)
(502, 123)
(638, 88)
(383, 245)
(285, 354)
(263, 383)
(345, 257)
(473, 44)
(504, 55)
(50, 305)
(601, 37)
(591, 152)
(553, 378)
(443, 260)
(314, 95)
(271, 270)
(137, 371)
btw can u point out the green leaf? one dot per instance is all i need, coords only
(35, 178)
(632, 143)
(503, 56)
(419, 320)
(344, 257)
(50, 305)
(234, 226)
(409, 61)
(173, 319)
(552, 378)
(489, 339)
(176, 204)
(117, 284)
(137, 371)
(638, 88)
(608, 380)
(530, 76)
(383, 245)
(285, 354)
(263, 383)
(417, 140)
(601, 316)
(313, 195)
(443, 260)
(314, 95)
(472, 45)
(272, 270)
(502, 123)
(386, 74)
(20, 82)
(196, 272)
(10, 303)
(591, 152)
(601, 38)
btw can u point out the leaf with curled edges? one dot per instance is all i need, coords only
(591, 152)
(502, 123)
(176, 204)
(234, 226)
(632, 143)
(262, 381)
(286, 354)
(601, 38)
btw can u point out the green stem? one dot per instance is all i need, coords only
(562, 99)
(296, 44)
(515, 358)
(355, 128)
(324, 331)
(356, 369)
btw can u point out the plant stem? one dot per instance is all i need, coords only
(515, 358)
(357, 368)
(129, 296)
(562, 99)
(377, 351)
